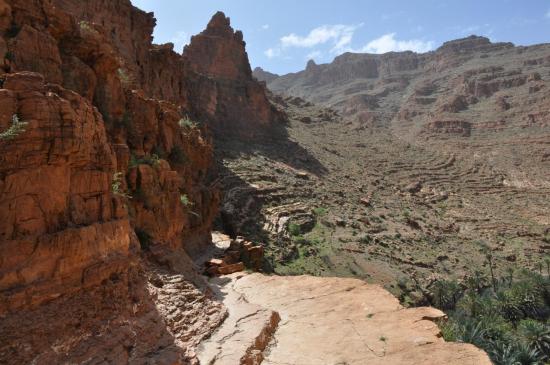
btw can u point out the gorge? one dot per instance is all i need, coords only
(352, 187)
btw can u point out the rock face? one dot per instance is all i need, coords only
(106, 179)
(307, 320)
(62, 227)
(212, 80)
(76, 166)
(218, 58)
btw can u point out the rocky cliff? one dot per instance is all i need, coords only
(107, 185)
(106, 173)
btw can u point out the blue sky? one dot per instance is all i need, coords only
(282, 35)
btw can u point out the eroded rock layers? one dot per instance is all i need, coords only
(106, 182)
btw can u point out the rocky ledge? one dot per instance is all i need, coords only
(307, 320)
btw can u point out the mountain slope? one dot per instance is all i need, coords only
(108, 185)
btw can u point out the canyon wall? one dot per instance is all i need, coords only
(106, 172)
(100, 156)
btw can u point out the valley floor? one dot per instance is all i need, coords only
(332, 199)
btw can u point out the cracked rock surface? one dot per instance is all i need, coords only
(328, 321)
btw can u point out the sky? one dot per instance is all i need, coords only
(283, 35)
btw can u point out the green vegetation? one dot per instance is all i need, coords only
(159, 152)
(188, 123)
(184, 199)
(86, 27)
(294, 229)
(116, 185)
(310, 250)
(13, 31)
(17, 127)
(123, 76)
(151, 160)
(508, 316)
(320, 211)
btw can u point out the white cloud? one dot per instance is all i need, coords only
(388, 43)
(181, 39)
(272, 52)
(265, 26)
(339, 35)
(315, 55)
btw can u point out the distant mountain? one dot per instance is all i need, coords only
(468, 88)
(261, 75)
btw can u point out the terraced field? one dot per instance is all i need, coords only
(334, 199)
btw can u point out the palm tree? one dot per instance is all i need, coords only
(536, 335)
(526, 355)
(445, 294)
(510, 271)
(486, 250)
(477, 281)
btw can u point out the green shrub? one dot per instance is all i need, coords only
(300, 240)
(536, 335)
(446, 294)
(294, 229)
(123, 76)
(116, 185)
(17, 127)
(184, 199)
(85, 26)
(10, 56)
(13, 31)
(510, 321)
(187, 123)
(159, 152)
(151, 160)
(320, 211)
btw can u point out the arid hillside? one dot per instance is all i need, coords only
(403, 166)
(112, 177)
(489, 97)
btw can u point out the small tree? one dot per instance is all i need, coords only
(184, 199)
(486, 250)
(187, 123)
(17, 127)
(116, 185)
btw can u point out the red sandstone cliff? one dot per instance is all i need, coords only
(102, 164)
